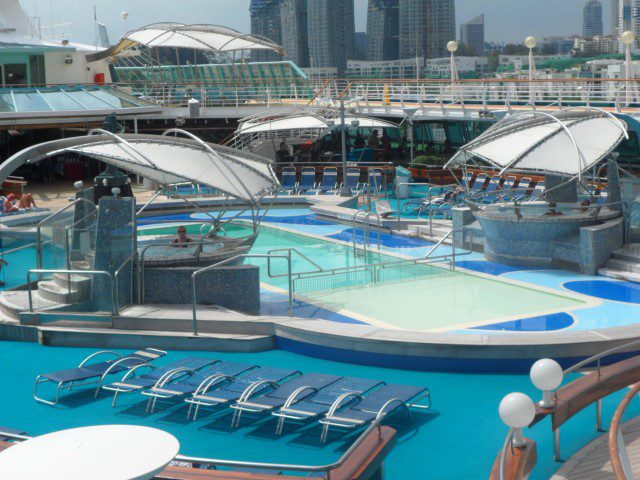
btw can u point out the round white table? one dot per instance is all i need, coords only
(113, 452)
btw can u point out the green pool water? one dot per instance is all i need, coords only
(433, 298)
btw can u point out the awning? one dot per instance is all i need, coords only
(568, 142)
(166, 160)
(310, 122)
(177, 35)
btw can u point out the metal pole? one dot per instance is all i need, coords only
(193, 291)
(345, 191)
(411, 138)
(599, 415)
(290, 286)
(556, 445)
(453, 248)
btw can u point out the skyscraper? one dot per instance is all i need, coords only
(621, 18)
(331, 28)
(295, 38)
(383, 30)
(425, 27)
(265, 21)
(592, 19)
(472, 34)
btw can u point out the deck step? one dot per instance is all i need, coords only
(629, 253)
(16, 301)
(619, 274)
(623, 265)
(52, 291)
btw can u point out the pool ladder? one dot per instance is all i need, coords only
(366, 230)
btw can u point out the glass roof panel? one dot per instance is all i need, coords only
(30, 102)
(111, 99)
(60, 100)
(6, 104)
(88, 101)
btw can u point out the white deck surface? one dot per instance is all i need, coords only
(593, 461)
(106, 452)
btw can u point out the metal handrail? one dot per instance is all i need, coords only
(505, 448)
(364, 227)
(367, 222)
(215, 266)
(617, 446)
(130, 258)
(23, 247)
(417, 184)
(599, 356)
(375, 425)
(290, 250)
(114, 310)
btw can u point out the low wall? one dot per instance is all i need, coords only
(234, 287)
(597, 244)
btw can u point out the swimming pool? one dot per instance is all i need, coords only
(464, 416)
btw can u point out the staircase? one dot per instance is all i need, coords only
(625, 264)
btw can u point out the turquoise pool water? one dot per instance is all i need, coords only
(457, 439)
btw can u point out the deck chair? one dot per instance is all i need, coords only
(307, 183)
(329, 181)
(385, 401)
(213, 395)
(164, 374)
(87, 373)
(323, 401)
(539, 189)
(467, 180)
(353, 182)
(384, 209)
(289, 183)
(300, 387)
(374, 178)
(189, 384)
(479, 182)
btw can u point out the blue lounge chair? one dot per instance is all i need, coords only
(479, 182)
(166, 373)
(307, 181)
(385, 401)
(90, 373)
(289, 183)
(189, 384)
(329, 181)
(301, 406)
(308, 384)
(213, 395)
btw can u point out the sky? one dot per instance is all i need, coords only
(506, 20)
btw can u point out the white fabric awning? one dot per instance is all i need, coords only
(309, 122)
(568, 142)
(166, 160)
(200, 37)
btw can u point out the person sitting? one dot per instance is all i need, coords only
(7, 205)
(585, 203)
(373, 141)
(358, 142)
(386, 141)
(26, 202)
(552, 212)
(182, 239)
(282, 153)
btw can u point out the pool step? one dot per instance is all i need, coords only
(52, 291)
(624, 264)
(16, 301)
(619, 274)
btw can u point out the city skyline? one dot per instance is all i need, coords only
(506, 20)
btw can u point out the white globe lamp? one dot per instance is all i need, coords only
(78, 185)
(115, 191)
(530, 42)
(452, 46)
(546, 374)
(517, 411)
(628, 37)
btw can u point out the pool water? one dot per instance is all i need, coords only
(458, 439)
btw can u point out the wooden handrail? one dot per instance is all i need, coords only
(519, 463)
(614, 432)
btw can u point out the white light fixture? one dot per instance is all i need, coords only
(115, 191)
(628, 37)
(546, 374)
(105, 182)
(355, 123)
(531, 42)
(517, 411)
(452, 46)
(78, 185)
(68, 59)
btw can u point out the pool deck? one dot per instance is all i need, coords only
(593, 461)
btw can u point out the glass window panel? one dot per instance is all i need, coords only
(112, 99)
(60, 101)
(88, 101)
(30, 102)
(6, 104)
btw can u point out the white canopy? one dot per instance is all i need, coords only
(568, 142)
(166, 160)
(309, 122)
(200, 37)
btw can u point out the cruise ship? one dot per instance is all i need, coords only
(214, 268)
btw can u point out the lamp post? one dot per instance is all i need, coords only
(452, 47)
(125, 16)
(546, 374)
(409, 112)
(627, 39)
(517, 411)
(531, 42)
(345, 191)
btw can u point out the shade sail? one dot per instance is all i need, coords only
(177, 35)
(309, 122)
(568, 142)
(166, 160)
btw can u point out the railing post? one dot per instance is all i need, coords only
(29, 288)
(453, 247)
(599, 416)
(556, 444)
(193, 291)
(290, 284)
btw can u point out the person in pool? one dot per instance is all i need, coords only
(26, 202)
(182, 239)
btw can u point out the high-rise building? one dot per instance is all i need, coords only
(295, 38)
(265, 21)
(592, 19)
(383, 30)
(621, 18)
(472, 34)
(615, 6)
(331, 28)
(425, 27)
